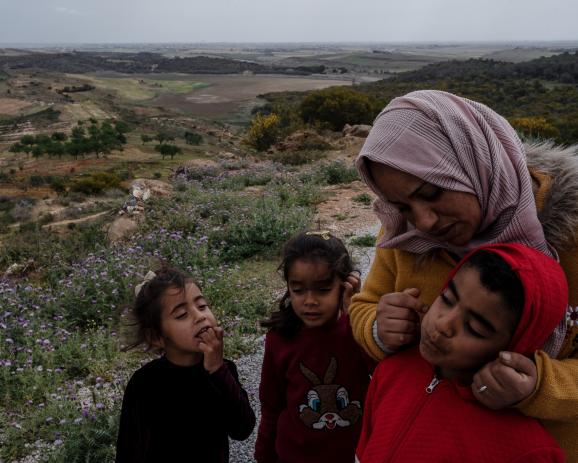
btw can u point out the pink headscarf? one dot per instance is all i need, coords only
(459, 145)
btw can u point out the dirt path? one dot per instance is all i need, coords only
(65, 223)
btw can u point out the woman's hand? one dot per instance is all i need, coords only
(509, 379)
(351, 286)
(398, 318)
(212, 347)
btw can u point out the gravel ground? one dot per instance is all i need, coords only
(249, 366)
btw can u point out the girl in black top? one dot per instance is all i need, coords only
(184, 406)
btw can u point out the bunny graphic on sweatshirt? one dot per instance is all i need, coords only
(328, 405)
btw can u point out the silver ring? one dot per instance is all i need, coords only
(482, 388)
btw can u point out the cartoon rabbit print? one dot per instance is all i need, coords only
(328, 404)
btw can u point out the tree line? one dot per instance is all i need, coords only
(96, 138)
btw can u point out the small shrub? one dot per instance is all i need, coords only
(193, 138)
(36, 180)
(334, 107)
(264, 131)
(124, 175)
(535, 127)
(6, 204)
(181, 186)
(297, 158)
(367, 241)
(337, 172)
(59, 184)
(187, 173)
(363, 198)
(260, 230)
(46, 218)
(235, 165)
(157, 175)
(95, 183)
(22, 210)
(243, 180)
(93, 441)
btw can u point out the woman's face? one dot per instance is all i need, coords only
(448, 216)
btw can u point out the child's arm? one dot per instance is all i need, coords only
(272, 397)
(131, 446)
(239, 416)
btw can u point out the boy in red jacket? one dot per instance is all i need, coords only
(420, 403)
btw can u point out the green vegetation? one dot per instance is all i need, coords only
(193, 138)
(297, 158)
(73, 325)
(141, 89)
(95, 183)
(45, 116)
(367, 241)
(337, 172)
(334, 107)
(164, 149)
(545, 90)
(264, 131)
(363, 198)
(97, 138)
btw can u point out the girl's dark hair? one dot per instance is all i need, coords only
(317, 246)
(498, 277)
(147, 308)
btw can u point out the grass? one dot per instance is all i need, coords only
(177, 86)
(297, 158)
(367, 241)
(62, 373)
(141, 89)
(363, 198)
(84, 110)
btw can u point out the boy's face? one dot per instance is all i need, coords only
(315, 293)
(466, 326)
(185, 315)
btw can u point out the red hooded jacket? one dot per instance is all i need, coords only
(410, 416)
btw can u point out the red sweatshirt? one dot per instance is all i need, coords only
(312, 392)
(403, 422)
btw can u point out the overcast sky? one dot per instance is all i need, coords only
(130, 21)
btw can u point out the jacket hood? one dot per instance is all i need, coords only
(559, 213)
(545, 293)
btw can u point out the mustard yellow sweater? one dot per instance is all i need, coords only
(555, 400)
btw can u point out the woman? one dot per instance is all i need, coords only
(450, 174)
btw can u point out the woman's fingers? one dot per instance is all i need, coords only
(508, 380)
(408, 299)
(351, 286)
(398, 319)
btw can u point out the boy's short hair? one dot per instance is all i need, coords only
(498, 277)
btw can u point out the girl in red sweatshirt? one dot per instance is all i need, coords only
(421, 405)
(314, 375)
